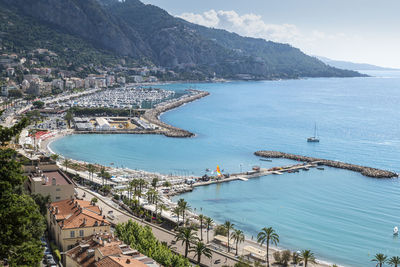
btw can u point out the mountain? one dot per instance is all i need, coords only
(147, 34)
(351, 65)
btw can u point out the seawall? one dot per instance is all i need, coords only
(153, 115)
(366, 171)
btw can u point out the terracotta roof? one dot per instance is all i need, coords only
(75, 213)
(110, 249)
(123, 261)
(80, 253)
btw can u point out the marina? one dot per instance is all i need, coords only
(309, 209)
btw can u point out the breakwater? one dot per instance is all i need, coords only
(366, 171)
(153, 115)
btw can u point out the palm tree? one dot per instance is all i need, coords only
(201, 249)
(228, 226)
(238, 236)
(209, 223)
(177, 211)
(380, 259)
(142, 183)
(66, 163)
(91, 170)
(394, 261)
(201, 219)
(184, 207)
(268, 236)
(187, 236)
(307, 256)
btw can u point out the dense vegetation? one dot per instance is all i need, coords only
(84, 31)
(142, 239)
(21, 223)
(23, 34)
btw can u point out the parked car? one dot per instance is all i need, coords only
(51, 263)
(49, 258)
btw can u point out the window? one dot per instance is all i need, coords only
(58, 197)
(72, 234)
(81, 232)
(58, 189)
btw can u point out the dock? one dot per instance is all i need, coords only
(245, 176)
(366, 171)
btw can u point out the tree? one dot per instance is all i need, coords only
(91, 169)
(267, 236)
(42, 202)
(238, 236)
(55, 157)
(67, 163)
(394, 261)
(285, 257)
(228, 226)
(104, 175)
(201, 249)
(154, 182)
(94, 200)
(296, 258)
(209, 223)
(69, 117)
(184, 207)
(177, 212)
(22, 225)
(201, 219)
(166, 184)
(38, 104)
(8, 133)
(307, 256)
(142, 239)
(187, 236)
(380, 259)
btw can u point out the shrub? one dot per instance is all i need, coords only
(220, 230)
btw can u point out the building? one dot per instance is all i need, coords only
(121, 80)
(103, 249)
(70, 221)
(49, 180)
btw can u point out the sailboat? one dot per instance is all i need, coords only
(313, 139)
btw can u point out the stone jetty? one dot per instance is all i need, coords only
(366, 171)
(153, 115)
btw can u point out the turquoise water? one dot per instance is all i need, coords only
(342, 216)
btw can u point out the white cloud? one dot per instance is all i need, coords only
(251, 25)
(350, 46)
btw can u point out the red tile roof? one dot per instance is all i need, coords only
(122, 261)
(75, 213)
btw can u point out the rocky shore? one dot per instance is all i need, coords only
(366, 171)
(153, 115)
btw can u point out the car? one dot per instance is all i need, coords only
(51, 263)
(49, 258)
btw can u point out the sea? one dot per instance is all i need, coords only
(342, 216)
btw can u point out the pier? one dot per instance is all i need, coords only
(245, 176)
(366, 171)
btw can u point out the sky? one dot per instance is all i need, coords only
(363, 31)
